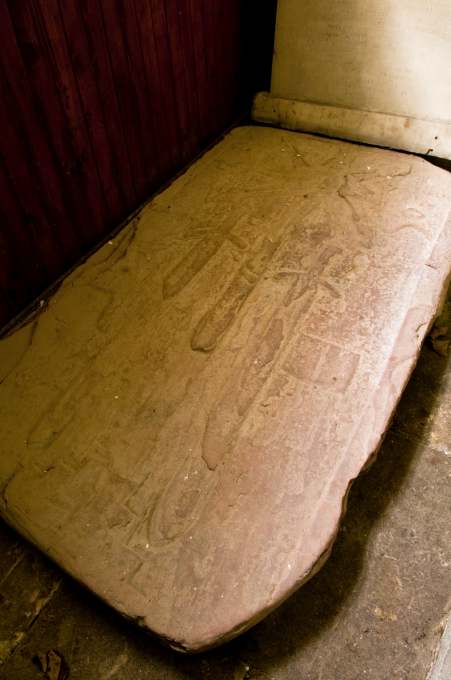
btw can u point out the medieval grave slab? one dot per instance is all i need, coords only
(182, 421)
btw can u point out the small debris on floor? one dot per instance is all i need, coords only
(242, 672)
(439, 337)
(52, 664)
(439, 340)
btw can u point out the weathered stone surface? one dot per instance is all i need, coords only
(183, 420)
(376, 610)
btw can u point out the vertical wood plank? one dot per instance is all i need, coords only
(48, 17)
(87, 78)
(101, 101)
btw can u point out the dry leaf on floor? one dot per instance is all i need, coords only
(52, 664)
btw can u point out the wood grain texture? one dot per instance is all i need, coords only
(102, 101)
(182, 422)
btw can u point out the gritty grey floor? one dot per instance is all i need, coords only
(376, 611)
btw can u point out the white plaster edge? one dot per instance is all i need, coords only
(380, 129)
(441, 666)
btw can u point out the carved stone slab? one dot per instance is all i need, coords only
(182, 421)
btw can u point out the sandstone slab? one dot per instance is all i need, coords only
(182, 421)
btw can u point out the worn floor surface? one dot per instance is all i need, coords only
(375, 611)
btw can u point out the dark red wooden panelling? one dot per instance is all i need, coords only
(102, 101)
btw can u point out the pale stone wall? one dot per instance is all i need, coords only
(391, 56)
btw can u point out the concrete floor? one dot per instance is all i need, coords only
(376, 611)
